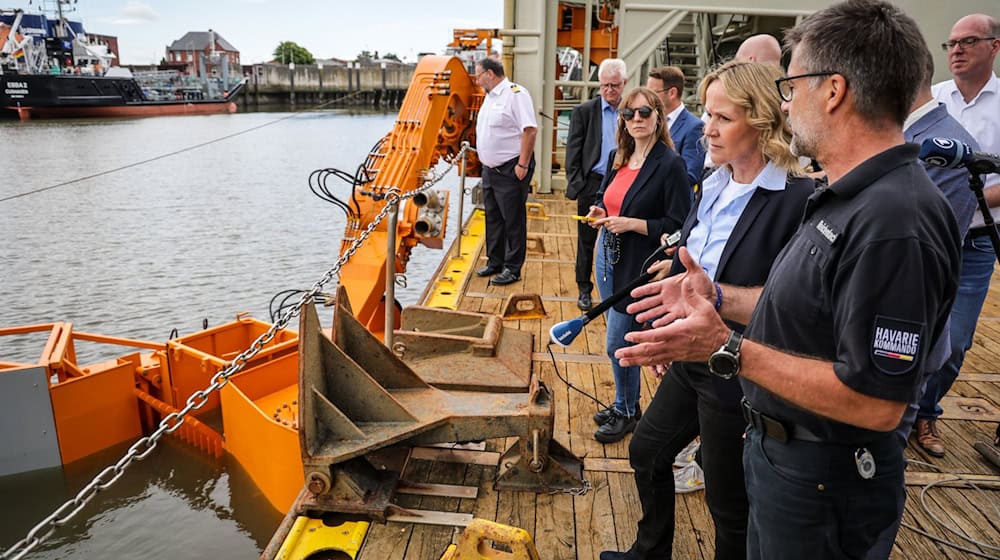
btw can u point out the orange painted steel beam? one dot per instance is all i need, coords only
(437, 115)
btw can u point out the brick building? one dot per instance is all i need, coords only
(194, 52)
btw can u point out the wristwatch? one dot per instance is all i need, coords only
(725, 362)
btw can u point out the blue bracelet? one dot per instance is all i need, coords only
(718, 296)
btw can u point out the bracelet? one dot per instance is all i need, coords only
(522, 166)
(718, 296)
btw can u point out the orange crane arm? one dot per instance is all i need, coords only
(437, 115)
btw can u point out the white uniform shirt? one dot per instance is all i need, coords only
(981, 117)
(507, 110)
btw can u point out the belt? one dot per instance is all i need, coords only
(596, 175)
(982, 231)
(775, 429)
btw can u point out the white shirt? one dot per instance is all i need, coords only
(722, 203)
(981, 117)
(507, 110)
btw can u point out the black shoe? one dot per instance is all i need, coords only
(504, 278)
(488, 271)
(584, 302)
(615, 555)
(601, 417)
(616, 428)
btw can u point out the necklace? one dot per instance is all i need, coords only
(638, 159)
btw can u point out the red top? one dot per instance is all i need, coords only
(614, 195)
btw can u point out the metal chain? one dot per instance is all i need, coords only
(170, 423)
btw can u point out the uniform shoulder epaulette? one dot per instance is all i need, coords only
(515, 88)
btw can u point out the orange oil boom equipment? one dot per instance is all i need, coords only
(437, 115)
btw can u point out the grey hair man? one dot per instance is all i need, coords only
(591, 138)
(839, 337)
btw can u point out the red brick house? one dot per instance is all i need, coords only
(207, 50)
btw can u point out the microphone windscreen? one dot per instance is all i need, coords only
(944, 152)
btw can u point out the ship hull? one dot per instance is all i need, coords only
(28, 96)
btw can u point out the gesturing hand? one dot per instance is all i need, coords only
(661, 301)
(691, 339)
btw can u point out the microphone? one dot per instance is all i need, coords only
(565, 332)
(951, 153)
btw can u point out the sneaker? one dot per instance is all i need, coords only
(686, 456)
(928, 438)
(584, 302)
(689, 479)
(616, 428)
(601, 417)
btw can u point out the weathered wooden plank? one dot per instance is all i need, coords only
(595, 519)
(966, 408)
(488, 458)
(603, 464)
(429, 517)
(575, 358)
(441, 490)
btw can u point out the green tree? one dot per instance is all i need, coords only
(289, 51)
(392, 56)
(366, 56)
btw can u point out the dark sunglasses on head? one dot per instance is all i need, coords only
(628, 113)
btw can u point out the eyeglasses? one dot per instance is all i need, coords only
(785, 87)
(628, 113)
(613, 85)
(966, 43)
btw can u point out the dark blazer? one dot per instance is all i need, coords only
(660, 195)
(686, 133)
(583, 145)
(767, 223)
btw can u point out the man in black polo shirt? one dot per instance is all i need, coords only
(837, 341)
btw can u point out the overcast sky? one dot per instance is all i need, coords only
(331, 28)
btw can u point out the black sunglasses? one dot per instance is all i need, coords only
(628, 113)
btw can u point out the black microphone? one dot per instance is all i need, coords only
(563, 333)
(951, 153)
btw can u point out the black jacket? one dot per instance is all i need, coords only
(660, 195)
(583, 145)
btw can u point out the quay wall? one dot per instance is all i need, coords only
(310, 84)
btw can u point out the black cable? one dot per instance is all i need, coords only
(570, 385)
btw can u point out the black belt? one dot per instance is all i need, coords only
(982, 231)
(774, 428)
(595, 175)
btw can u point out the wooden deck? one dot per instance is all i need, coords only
(565, 526)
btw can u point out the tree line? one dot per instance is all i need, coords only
(290, 51)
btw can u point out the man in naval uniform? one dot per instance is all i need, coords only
(505, 141)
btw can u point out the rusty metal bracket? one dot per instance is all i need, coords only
(535, 245)
(523, 306)
(463, 351)
(356, 398)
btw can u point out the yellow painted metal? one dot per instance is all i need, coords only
(452, 277)
(310, 536)
(535, 210)
(474, 543)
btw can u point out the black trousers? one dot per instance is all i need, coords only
(504, 197)
(687, 403)
(586, 236)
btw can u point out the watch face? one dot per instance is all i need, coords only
(724, 365)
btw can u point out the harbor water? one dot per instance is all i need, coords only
(197, 236)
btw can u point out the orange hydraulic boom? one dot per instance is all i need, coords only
(437, 115)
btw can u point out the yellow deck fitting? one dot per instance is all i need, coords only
(455, 270)
(474, 545)
(536, 210)
(311, 536)
(523, 306)
(535, 245)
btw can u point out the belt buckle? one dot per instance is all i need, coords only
(752, 415)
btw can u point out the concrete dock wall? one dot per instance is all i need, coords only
(309, 84)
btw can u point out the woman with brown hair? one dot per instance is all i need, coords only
(644, 195)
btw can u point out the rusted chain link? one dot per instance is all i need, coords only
(145, 445)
